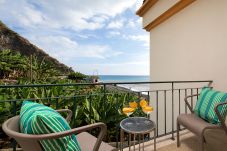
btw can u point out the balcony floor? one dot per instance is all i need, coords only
(188, 141)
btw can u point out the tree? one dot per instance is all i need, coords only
(12, 64)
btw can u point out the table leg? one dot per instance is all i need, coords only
(155, 139)
(139, 142)
(143, 141)
(134, 143)
(129, 142)
(122, 139)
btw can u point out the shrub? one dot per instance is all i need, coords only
(77, 76)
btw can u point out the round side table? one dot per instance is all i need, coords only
(137, 126)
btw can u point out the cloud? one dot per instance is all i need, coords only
(143, 38)
(116, 24)
(138, 4)
(67, 50)
(86, 34)
(113, 34)
(2, 1)
(131, 23)
(73, 14)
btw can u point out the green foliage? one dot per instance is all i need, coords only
(76, 76)
(12, 64)
(5, 108)
(15, 66)
(41, 70)
(90, 105)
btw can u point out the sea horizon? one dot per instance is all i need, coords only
(127, 78)
(124, 78)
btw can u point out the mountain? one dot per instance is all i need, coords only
(13, 41)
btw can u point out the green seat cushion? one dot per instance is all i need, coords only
(206, 103)
(39, 119)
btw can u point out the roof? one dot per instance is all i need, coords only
(147, 4)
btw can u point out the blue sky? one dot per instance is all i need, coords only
(103, 36)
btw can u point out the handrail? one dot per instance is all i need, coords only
(104, 83)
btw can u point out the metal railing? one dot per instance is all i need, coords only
(165, 96)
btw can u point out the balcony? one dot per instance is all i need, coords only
(92, 103)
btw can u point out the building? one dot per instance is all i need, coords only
(188, 39)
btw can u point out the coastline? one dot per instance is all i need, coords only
(121, 89)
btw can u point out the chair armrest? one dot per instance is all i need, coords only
(187, 103)
(101, 135)
(219, 115)
(69, 113)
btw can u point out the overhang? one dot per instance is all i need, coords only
(148, 5)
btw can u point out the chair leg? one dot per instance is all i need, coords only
(178, 135)
(201, 144)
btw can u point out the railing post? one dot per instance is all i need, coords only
(14, 143)
(148, 96)
(210, 83)
(185, 94)
(157, 112)
(74, 111)
(172, 85)
(56, 104)
(104, 97)
(165, 108)
(192, 99)
(117, 127)
(197, 92)
(139, 96)
(179, 102)
(148, 99)
(90, 108)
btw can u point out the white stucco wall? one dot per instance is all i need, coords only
(192, 45)
(160, 7)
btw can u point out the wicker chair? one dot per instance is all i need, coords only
(31, 142)
(197, 125)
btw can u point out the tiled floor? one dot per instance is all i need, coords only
(189, 142)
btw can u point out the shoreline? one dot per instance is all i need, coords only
(118, 88)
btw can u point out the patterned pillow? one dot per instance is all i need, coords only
(39, 119)
(206, 102)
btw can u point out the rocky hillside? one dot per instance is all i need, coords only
(13, 41)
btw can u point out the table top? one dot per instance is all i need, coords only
(137, 125)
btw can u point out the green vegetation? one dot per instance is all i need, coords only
(30, 65)
(12, 64)
(15, 66)
(89, 103)
(77, 76)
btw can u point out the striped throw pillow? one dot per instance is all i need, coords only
(206, 103)
(39, 119)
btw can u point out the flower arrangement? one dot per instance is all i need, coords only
(133, 106)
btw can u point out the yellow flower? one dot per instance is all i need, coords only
(147, 109)
(127, 110)
(143, 103)
(133, 104)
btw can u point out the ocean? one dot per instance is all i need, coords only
(128, 78)
(124, 78)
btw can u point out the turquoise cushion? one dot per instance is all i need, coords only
(39, 119)
(206, 103)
